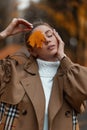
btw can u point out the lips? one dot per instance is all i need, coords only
(50, 47)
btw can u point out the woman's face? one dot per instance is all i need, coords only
(49, 47)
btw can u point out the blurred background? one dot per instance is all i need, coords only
(68, 17)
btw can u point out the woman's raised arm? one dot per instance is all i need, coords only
(17, 25)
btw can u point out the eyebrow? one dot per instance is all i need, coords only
(47, 31)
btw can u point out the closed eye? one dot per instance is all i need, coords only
(49, 33)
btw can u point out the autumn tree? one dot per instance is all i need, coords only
(72, 16)
(7, 12)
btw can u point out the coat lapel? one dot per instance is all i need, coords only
(56, 98)
(33, 87)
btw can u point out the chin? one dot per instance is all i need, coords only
(53, 53)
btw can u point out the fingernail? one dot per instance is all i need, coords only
(31, 26)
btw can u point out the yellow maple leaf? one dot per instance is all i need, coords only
(36, 39)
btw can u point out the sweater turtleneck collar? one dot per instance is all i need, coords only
(47, 68)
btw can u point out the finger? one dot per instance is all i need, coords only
(25, 22)
(57, 35)
(26, 29)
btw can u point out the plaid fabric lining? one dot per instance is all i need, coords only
(74, 120)
(2, 110)
(8, 113)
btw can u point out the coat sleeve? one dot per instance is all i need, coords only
(74, 83)
(5, 73)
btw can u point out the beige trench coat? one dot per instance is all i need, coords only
(23, 101)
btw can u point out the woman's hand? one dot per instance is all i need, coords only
(60, 52)
(16, 26)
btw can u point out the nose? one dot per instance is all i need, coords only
(47, 40)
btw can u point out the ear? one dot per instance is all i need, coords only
(32, 52)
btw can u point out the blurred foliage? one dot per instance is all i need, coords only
(7, 12)
(68, 17)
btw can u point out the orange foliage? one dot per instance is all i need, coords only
(65, 21)
(36, 39)
(9, 50)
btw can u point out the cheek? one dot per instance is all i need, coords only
(39, 51)
(55, 40)
(43, 47)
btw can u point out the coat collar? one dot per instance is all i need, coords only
(33, 87)
(31, 66)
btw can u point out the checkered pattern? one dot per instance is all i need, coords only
(74, 120)
(2, 110)
(8, 115)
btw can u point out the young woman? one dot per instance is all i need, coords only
(48, 91)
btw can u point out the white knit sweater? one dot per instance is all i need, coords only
(47, 71)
